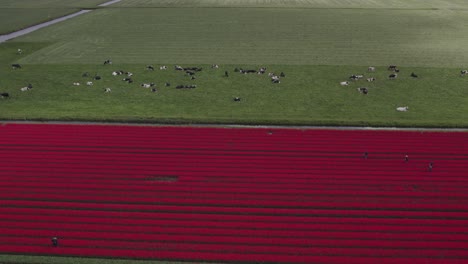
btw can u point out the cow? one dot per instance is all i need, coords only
(344, 83)
(282, 74)
(370, 79)
(192, 69)
(128, 80)
(275, 79)
(402, 108)
(414, 75)
(392, 67)
(247, 71)
(262, 70)
(97, 77)
(164, 67)
(214, 66)
(150, 67)
(353, 77)
(464, 72)
(16, 66)
(107, 90)
(167, 84)
(86, 74)
(4, 95)
(226, 74)
(371, 69)
(190, 86)
(147, 85)
(19, 52)
(107, 62)
(237, 99)
(189, 72)
(363, 90)
(26, 88)
(154, 90)
(115, 73)
(89, 83)
(76, 84)
(178, 68)
(393, 76)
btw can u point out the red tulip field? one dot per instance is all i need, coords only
(243, 195)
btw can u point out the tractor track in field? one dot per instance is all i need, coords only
(30, 29)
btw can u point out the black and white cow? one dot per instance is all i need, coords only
(393, 76)
(371, 79)
(392, 67)
(164, 67)
(16, 66)
(26, 88)
(237, 99)
(4, 95)
(371, 69)
(150, 67)
(107, 90)
(147, 85)
(107, 62)
(464, 72)
(363, 90)
(414, 75)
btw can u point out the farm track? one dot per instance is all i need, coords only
(269, 195)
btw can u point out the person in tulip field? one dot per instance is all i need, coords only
(55, 241)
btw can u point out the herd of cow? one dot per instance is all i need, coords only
(191, 71)
(393, 75)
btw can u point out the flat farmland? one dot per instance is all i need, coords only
(243, 195)
(293, 36)
(317, 44)
(19, 14)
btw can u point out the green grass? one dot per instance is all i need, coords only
(20, 259)
(394, 4)
(317, 47)
(19, 14)
(422, 38)
(308, 95)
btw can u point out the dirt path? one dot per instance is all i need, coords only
(25, 31)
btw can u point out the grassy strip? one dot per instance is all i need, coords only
(23, 259)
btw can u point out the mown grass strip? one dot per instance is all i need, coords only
(24, 259)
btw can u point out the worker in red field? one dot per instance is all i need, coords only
(365, 155)
(55, 241)
(406, 158)
(430, 166)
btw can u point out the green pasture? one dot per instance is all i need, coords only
(356, 4)
(292, 36)
(309, 94)
(316, 47)
(19, 14)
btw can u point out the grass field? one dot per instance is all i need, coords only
(19, 14)
(317, 47)
(20, 259)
